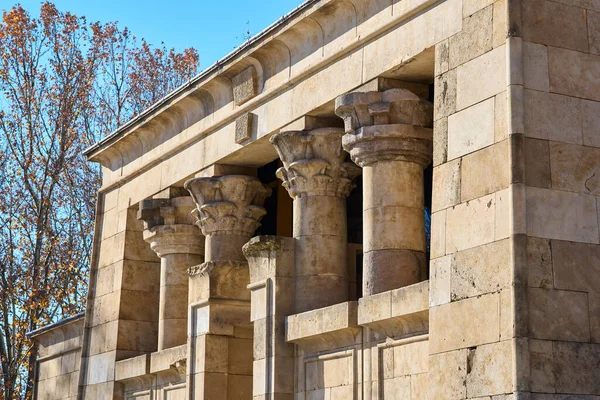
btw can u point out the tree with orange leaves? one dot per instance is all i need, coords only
(64, 84)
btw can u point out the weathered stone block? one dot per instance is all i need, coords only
(547, 211)
(439, 281)
(535, 66)
(490, 369)
(576, 266)
(466, 323)
(558, 315)
(411, 359)
(591, 123)
(440, 141)
(481, 78)
(445, 95)
(442, 57)
(485, 171)
(542, 366)
(446, 185)
(555, 24)
(537, 163)
(481, 270)
(552, 117)
(575, 168)
(471, 129)
(576, 368)
(474, 39)
(470, 224)
(447, 375)
(470, 7)
(593, 24)
(574, 74)
(500, 116)
(438, 234)
(539, 263)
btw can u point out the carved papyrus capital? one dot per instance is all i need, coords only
(314, 163)
(390, 125)
(169, 226)
(228, 205)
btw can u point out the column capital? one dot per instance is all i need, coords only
(228, 205)
(314, 163)
(169, 226)
(386, 126)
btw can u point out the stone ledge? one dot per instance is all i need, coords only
(165, 360)
(337, 324)
(132, 368)
(397, 312)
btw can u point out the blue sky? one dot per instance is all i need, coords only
(214, 28)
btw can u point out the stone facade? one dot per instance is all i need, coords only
(269, 242)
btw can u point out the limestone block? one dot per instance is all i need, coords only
(101, 368)
(466, 323)
(245, 85)
(325, 322)
(576, 266)
(481, 270)
(500, 115)
(575, 168)
(419, 387)
(210, 385)
(442, 57)
(558, 315)
(591, 123)
(594, 300)
(471, 129)
(535, 66)
(396, 388)
(444, 103)
(410, 299)
(576, 367)
(593, 23)
(438, 234)
(490, 369)
(574, 74)
(439, 289)
(474, 39)
(537, 163)
(485, 171)
(446, 185)
(547, 211)
(470, 7)
(539, 263)
(541, 364)
(140, 335)
(500, 23)
(447, 375)
(310, 212)
(555, 24)
(132, 367)
(244, 127)
(134, 305)
(105, 308)
(240, 356)
(440, 141)
(481, 78)
(211, 353)
(411, 358)
(375, 308)
(470, 224)
(552, 117)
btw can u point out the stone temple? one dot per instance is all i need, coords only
(371, 199)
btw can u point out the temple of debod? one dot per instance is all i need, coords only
(371, 199)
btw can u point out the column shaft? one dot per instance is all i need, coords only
(172, 314)
(225, 247)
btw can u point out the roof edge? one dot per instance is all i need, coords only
(209, 70)
(57, 324)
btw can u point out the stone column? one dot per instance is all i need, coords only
(228, 210)
(169, 228)
(388, 134)
(317, 177)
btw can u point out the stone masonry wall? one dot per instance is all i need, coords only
(470, 321)
(557, 195)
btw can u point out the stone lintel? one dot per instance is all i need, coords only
(336, 326)
(382, 84)
(397, 312)
(314, 163)
(225, 169)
